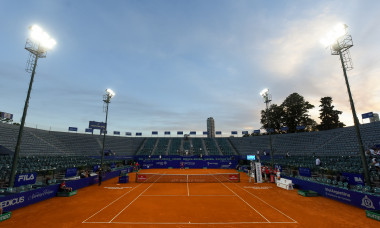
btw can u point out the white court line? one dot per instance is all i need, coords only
(192, 223)
(111, 203)
(267, 203)
(133, 200)
(188, 192)
(187, 195)
(294, 221)
(242, 199)
(245, 202)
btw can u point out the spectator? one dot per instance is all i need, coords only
(47, 181)
(267, 172)
(64, 188)
(287, 154)
(375, 163)
(137, 166)
(317, 161)
(83, 174)
(372, 151)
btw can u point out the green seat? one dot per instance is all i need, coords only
(359, 188)
(367, 188)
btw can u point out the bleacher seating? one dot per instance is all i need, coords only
(338, 148)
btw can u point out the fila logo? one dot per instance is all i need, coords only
(26, 177)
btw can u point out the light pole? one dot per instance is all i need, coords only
(107, 99)
(267, 99)
(38, 44)
(339, 42)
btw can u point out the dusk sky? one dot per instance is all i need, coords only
(174, 63)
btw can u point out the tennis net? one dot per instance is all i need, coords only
(187, 178)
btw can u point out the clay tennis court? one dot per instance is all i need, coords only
(219, 204)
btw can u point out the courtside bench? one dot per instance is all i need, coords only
(67, 194)
(6, 215)
(285, 184)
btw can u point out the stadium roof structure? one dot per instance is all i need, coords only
(5, 151)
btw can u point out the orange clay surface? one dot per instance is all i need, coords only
(241, 204)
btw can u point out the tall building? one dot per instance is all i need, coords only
(210, 128)
(375, 118)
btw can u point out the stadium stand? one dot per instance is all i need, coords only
(43, 150)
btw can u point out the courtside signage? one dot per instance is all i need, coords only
(141, 177)
(25, 179)
(234, 177)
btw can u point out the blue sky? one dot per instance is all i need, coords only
(174, 63)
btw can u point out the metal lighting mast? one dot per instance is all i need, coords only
(107, 99)
(267, 99)
(339, 42)
(38, 44)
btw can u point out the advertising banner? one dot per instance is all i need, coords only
(367, 115)
(90, 130)
(358, 199)
(259, 176)
(354, 178)
(306, 172)
(71, 172)
(96, 125)
(25, 179)
(73, 129)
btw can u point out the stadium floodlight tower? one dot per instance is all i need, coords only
(339, 42)
(107, 99)
(37, 44)
(267, 99)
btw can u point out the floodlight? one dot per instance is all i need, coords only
(263, 92)
(107, 99)
(38, 44)
(38, 35)
(267, 99)
(338, 31)
(340, 42)
(110, 93)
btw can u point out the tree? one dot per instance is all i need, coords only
(275, 116)
(329, 117)
(295, 110)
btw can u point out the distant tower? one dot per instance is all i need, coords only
(210, 128)
(375, 118)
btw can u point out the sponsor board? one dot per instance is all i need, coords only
(25, 179)
(358, 199)
(234, 177)
(252, 187)
(112, 188)
(141, 177)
